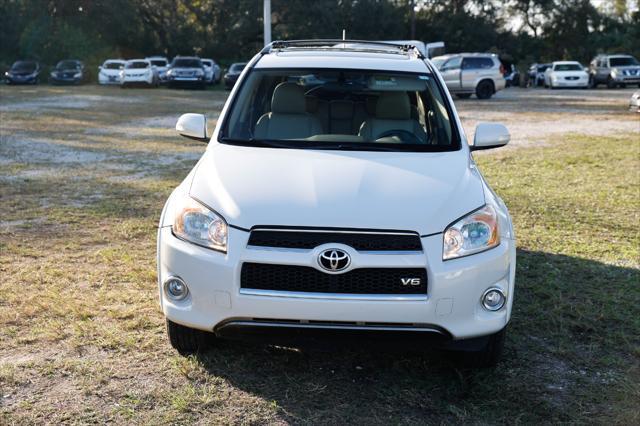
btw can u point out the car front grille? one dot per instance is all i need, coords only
(294, 278)
(359, 240)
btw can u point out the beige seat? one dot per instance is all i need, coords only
(288, 118)
(393, 112)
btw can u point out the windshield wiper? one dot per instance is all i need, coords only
(258, 142)
(301, 144)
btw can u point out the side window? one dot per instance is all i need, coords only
(453, 63)
(477, 63)
(469, 64)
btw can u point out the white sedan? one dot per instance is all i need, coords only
(566, 74)
(138, 72)
(109, 72)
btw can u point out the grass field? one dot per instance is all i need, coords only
(83, 177)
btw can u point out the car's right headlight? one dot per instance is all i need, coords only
(474, 233)
(197, 224)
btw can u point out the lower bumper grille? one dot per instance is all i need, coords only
(357, 281)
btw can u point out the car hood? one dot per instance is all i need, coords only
(422, 192)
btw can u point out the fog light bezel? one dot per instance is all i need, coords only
(493, 308)
(170, 295)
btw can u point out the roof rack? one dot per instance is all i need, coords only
(352, 45)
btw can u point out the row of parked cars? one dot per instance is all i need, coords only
(610, 70)
(151, 71)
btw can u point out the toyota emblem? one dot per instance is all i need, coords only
(334, 260)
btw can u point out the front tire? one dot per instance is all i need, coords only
(484, 90)
(610, 83)
(187, 340)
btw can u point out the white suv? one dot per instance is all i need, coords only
(338, 193)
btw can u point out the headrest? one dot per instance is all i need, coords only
(393, 106)
(341, 110)
(288, 98)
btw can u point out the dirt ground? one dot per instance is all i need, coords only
(84, 172)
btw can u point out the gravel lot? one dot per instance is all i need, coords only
(536, 116)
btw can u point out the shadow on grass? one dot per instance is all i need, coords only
(560, 341)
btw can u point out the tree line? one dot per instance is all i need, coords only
(521, 31)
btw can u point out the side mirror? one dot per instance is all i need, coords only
(193, 126)
(490, 135)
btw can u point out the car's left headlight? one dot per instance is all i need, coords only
(77, 75)
(474, 233)
(197, 224)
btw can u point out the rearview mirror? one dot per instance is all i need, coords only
(490, 135)
(193, 126)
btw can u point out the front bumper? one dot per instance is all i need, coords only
(452, 305)
(570, 83)
(21, 79)
(108, 79)
(137, 80)
(64, 80)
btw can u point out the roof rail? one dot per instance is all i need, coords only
(347, 45)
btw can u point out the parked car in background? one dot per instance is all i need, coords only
(186, 71)
(23, 72)
(162, 66)
(212, 71)
(68, 71)
(614, 71)
(138, 72)
(233, 73)
(634, 102)
(466, 74)
(364, 220)
(535, 75)
(109, 71)
(566, 74)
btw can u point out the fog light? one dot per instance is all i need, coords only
(175, 288)
(493, 299)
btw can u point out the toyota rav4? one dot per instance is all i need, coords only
(338, 194)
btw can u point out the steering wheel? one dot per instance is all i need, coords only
(404, 136)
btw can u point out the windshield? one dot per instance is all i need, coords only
(237, 68)
(568, 67)
(623, 62)
(136, 65)
(113, 65)
(207, 62)
(187, 63)
(340, 109)
(24, 66)
(542, 68)
(159, 62)
(66, 65)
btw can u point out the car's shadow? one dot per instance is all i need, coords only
(563, 305)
